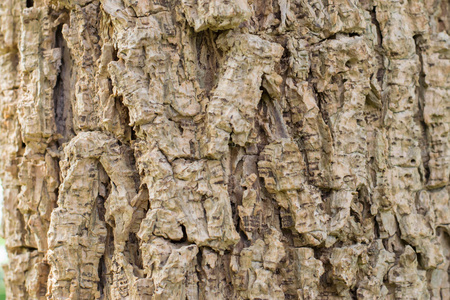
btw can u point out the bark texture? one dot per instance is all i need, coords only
(225, 149)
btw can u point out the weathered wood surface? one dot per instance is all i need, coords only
(225, 149)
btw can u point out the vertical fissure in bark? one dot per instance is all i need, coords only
(263, 133)
(321, 102)
(379, 54)
(325, 195)
(375, 22)
(234, 185)
(420, 91)
(129, 133)
(44, 269)
(132, 252)
(61, 91)
(104, 191)
(208, 57)
(286, 225)
(101, 276)
(138, 217)
(362, 212)
(275, 117)
(57, 158)
(105, 262)
(324, 254)
(200, 272)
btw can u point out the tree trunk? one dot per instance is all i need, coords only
(225, 149)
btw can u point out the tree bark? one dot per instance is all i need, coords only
(225, 149)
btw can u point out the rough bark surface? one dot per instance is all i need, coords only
(225, 149)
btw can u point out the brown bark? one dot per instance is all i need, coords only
(225, 149)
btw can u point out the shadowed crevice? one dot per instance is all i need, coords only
(61, 91)
(420, 91)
